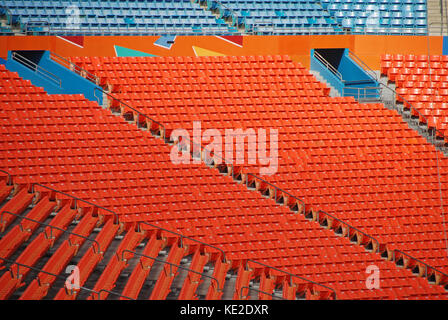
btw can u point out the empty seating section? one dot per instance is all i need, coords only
(114, 17)
(423, 82)
(36, 250)
(278, 17)
(74, 146)
(357, 161)
(327, 16)
(378, 17)
(234, 16)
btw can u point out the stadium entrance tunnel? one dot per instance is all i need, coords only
(345, 72)
(34, 56)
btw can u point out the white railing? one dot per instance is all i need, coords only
(75, 68)
(37, 69)
(363, 65)
(363, 93)
(271, 28)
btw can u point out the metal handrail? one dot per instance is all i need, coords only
(366, 68)
(349, 226)
(339, 30)
(183, 237)
(112, 293)
(110, 30)
(98, 99)
(351, 82)
(116, 218)
(54, 275)
(172, 265)
(311, 30)
(137, 32)
(276, 189)
(419, 261)
(322, 60)
(304, 30)
(38, 22)
(121, 103)
(401, 31)
(376, 92)
(70, 65)
(36, 68)
(51, 229)
(291, 275)
(259, 291)
(9, 182)
(443, 26)
(260, 24)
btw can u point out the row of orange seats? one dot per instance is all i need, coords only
(412, 57)
(180, 59)
(393, 73)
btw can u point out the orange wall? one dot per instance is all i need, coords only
(368, 48)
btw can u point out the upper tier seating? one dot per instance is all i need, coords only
(377, 17)
(96, 17)
(423, 82)
(114, 17)
(330, 16)
(73, 145)
(360, 162)
(278, 17)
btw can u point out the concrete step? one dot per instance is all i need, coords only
(333, 91)
(437, 21)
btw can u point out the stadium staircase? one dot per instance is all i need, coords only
(333, 92)
(437, 22)
(419, 93)
(400, 94)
